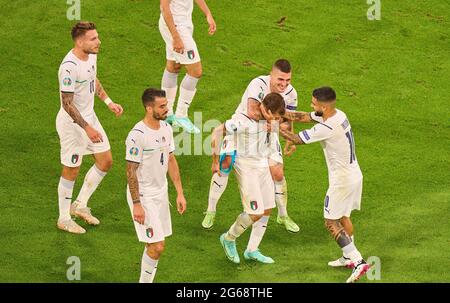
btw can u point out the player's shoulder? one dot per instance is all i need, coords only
(341, 119)
(290, 92)
(261, 80)
(69, 61)
(166, 126)
(138, 129)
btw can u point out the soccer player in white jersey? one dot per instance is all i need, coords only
(278, 81)
(254, 145)
(149, 155)
(176, 28)
(334, 132)
(79, 129)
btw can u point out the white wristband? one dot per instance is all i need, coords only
(108, 101)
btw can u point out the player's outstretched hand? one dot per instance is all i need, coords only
(116, 109)
(138, 213)
(289, 148)
(181, 204)
(212, 24)
(94, 135)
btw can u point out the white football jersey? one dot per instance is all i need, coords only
(78, 77)
(260, 87)
(254, 143)
(181, 12)
(150, 148)
(336, 137)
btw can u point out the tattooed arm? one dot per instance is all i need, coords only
(290, 136)
(298, 117)
(69, 107)
(101, 93)
(74, 113)
(133, 185)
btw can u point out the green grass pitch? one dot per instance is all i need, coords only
(392, 80)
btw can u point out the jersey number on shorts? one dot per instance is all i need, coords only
(162, 159)
(351, 141)
(92, 87)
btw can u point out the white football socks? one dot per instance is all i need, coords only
(281, 197)
(187, 93)
(148, 268)
(91, 181)
(258, 230)
(350, 251)
(216, 189)
(65, 190)
(169, 84)
(241, 224)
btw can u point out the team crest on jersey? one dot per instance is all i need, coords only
(134, 151)
(191, 54)
(149, 232)
(254, 205)
(75, 158)
(67, 81)
(261, 95)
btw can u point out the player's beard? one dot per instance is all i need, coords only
(160, 117)
(318, 113)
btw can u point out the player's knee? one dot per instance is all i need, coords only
(267, 212)
(277, 173)
(173, 67)
(159, 247)
(196, 72)
(255, 217)
(105, 165)
(70, 173)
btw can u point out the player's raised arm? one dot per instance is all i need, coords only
(174, 174)
(133, 184)
(101, 93)
(209, 18)
(178, 45)
(303, 117)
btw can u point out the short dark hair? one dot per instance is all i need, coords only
(324, 94)
(275, 103)
(283, 65)
(80, 29)
(149, 95)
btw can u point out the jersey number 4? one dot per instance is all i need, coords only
(351, 142)
(162, 159)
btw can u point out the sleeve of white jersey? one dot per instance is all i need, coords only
(316, 118)
(255, 90)
(134, 147)
(172, 142)
(318, 133)
(292, 101)
(67, 76)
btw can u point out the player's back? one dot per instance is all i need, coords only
(339, 150)
(151, 148)
(78, 77)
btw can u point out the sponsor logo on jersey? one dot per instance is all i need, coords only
(67, 81)
(254, 205)
(191, 54)
(134, 151)
(149, 232)
(75, 158)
